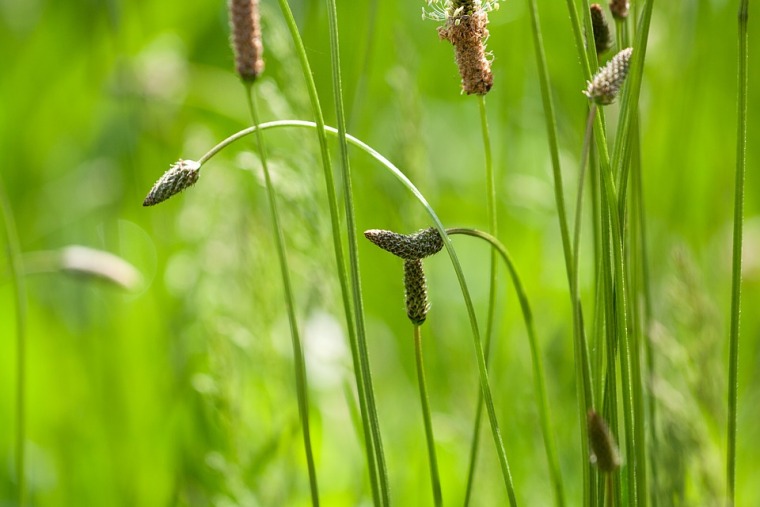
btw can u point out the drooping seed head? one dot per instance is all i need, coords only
(602, 38)
(619, 9)
(604, 450)
(606, 84)
(180, 176)
(246, 38)
(415, 246)
(415, 289)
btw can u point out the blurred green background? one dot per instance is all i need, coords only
(182, 391)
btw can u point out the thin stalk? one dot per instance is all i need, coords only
(736, 271)
(492, 286)
(401, 177)
(302, 388)
(353, 253)
(434, 477)
(13, 245)
(370, 438)
(535, 353)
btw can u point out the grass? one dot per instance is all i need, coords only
(183, 393)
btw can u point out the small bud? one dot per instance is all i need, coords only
(604, 450)
(619, 9)
(606, 84)
(419, 245)
(415, 289)
(602, 38)
(181, 175)
(246, 38)
(465, 28)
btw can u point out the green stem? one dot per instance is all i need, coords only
(492, 220)
(353, 253)
(736, 271)
(370, 438)
(434, 477)
(298, 354)
(17, 274)
(401, 177)
(535, 352)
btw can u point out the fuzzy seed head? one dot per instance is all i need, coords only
(604, 450)
(619, 9)
(602, 38)
(465, 27)
(606, 84)
(246, 38)
(415, 289)
(419, 245)
(180, 176)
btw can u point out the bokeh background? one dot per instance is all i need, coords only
(181, 390)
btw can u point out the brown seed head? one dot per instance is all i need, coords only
(606, 84)
(465, 28)
(415, 246)
(604, 450)
(602, 38)
(246, 38)
(180, 176)
(619, 9)
(415, 289)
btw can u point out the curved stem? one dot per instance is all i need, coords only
(302, 389)
(434, 477)
(17, 274)
(401, 177)
(535, 352)
(736, 270)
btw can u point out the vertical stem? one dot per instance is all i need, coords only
(434, 477)
(353, 253)
(369, 433)
(298, 354)
(736, 272)
(19, 286)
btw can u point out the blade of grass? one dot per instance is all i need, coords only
(401, 177)
(736, 264)
(302, 388)
(535, 354)
(17, 275)
(370, 436)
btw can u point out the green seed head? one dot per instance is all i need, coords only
(415, 288)
(419, 245)
(180, 176)
(607, 82)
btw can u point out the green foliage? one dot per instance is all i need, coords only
(181, 391)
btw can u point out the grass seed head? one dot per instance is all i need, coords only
(419, 245)
(619, 9)
(180, 176)
(602, 38)
(246, 38)
(604, 450)
(606, 84)
(415, 288)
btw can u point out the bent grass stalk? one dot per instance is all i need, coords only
(369, 417)
(302, 388)
(19, 285)
(736, 265)
(535, 353)
(401, 177)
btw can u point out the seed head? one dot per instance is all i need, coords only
(602, 38)
(415, 289)
(180, 176)
(465, 27)
(619, 9)
(415, 246)
(246, 38)
(606, 84)
(604, 450)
